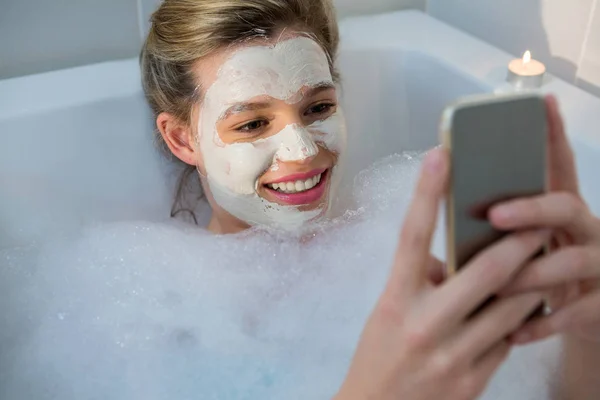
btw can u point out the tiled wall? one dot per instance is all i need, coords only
(564, 34)
(43, 35)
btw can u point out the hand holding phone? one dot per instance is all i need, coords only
(419, 342)
(426, 340)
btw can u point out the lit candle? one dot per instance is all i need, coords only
(526, 73)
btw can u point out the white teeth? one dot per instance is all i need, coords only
(297, 186)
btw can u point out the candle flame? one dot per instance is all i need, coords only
(527, 57)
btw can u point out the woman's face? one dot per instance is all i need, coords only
(270, 132)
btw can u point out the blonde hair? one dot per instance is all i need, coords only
(185, 31)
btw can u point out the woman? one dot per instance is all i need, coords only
(245, 92)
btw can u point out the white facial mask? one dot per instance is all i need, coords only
(233, 170)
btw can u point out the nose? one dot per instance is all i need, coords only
(296, 144)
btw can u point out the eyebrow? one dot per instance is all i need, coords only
(243, 107)
(255, 106)
(321, 87)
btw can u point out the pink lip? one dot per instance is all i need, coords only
(307, 197)
(300, 177)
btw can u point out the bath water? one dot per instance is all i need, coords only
(138, 310)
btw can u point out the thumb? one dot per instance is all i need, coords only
(410, 271)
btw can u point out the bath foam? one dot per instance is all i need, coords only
(157, 311)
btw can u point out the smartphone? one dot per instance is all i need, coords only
(497, 147)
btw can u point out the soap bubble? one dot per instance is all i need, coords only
(168, 311)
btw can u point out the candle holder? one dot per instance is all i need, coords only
(526, 73)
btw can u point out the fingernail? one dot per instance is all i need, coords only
(433, 161)
(504, 213)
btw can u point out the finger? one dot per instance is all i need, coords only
(557, 297)
(561, 238)
(562, 173)
(436, 270)
(552, 210)
(413, 252)
(494, 323)
(491, 361)
(568, 265)
(535, 331)
(578, 314)
(480, 279)
(470, 385)
(474, 382)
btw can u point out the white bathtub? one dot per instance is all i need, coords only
(77, 145)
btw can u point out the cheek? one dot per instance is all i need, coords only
(331, 133)
(199, 158)
(226, 166)
(238, 166)
(325, 154)
(245, 161)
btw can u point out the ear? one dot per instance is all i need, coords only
(178, 137)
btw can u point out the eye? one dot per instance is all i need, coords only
(252, 126)
(319, 109)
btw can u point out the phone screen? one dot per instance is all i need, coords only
(498, 153)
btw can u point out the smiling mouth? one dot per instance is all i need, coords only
(300, 191)
(297, 186)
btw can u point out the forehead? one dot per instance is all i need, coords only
(279, 70)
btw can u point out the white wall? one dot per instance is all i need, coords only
(359, 7)
(564, 34)
(43, 35)
(345, 8)
(589, 67)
